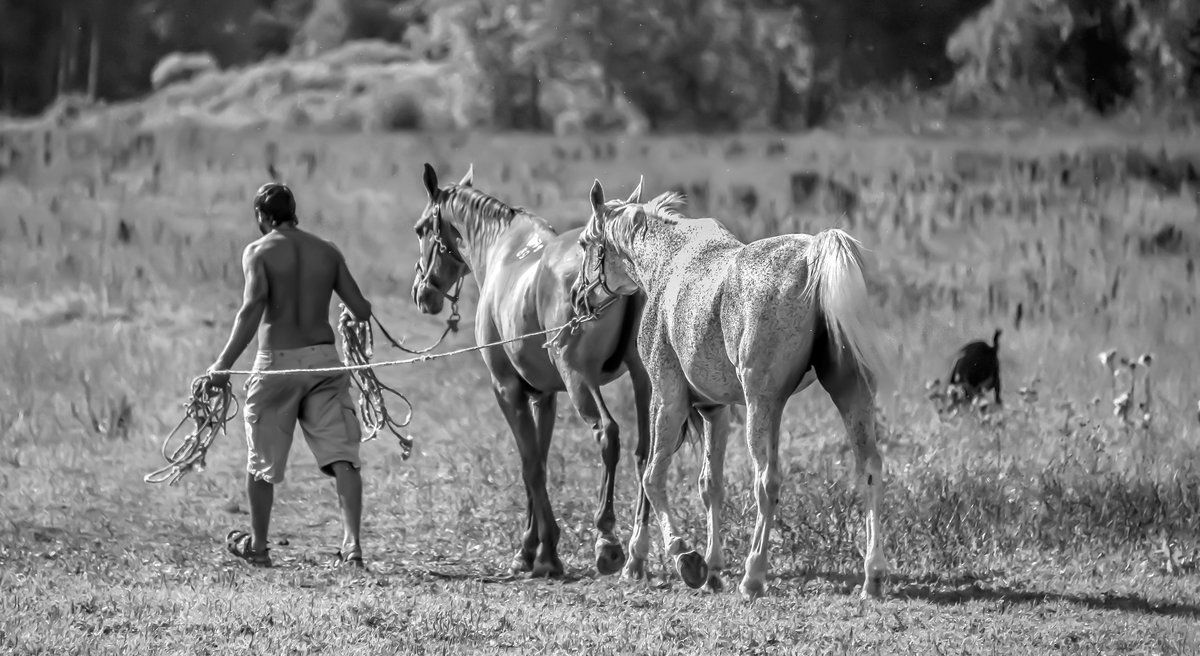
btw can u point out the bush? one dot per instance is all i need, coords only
(394, 112)
(269, 35)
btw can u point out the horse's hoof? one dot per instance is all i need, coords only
(714, 583)
(873, 587)
(752, 589)
(609, 557)
(521, 563)
(692, 568)
(549, 568)
(635, 570)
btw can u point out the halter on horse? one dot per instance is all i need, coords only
(525, 271)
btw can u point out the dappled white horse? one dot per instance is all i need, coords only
(731, 323)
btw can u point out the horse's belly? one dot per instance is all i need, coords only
(533, 364)
(713, 378)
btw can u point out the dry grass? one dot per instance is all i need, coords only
(1047, 526)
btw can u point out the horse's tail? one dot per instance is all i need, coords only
(836, 281)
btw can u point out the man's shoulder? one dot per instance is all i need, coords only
(255, 247)
(327, 243)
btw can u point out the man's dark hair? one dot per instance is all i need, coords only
(276, 202)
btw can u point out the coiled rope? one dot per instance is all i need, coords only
(358, 343)
(208, 408)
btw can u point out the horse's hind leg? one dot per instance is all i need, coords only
(668, 417)
(639, 538)
(539, 549)
(610, 556)
(763, 415)
(712, 490)
(855, 400)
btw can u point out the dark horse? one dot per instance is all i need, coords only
(525, 271)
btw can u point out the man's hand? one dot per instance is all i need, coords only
(217, 380)
(347, 317)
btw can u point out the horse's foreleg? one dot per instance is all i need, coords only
(539, 549)
(667, 419)
(590, 406)
(610, 556)
(639, 539)
(712, 490)
(762, 438)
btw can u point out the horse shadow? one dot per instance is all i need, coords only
(964, 589)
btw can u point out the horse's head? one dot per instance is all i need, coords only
(441, 267)
(604, 272)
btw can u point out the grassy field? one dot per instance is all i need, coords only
(1049, 526)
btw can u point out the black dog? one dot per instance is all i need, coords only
(977, 369)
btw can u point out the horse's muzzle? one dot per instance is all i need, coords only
(428, 299)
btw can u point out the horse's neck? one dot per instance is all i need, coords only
(653, 252)
(485, 238)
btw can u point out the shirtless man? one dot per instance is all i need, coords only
(291, 276)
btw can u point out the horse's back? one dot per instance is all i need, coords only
(735, 308)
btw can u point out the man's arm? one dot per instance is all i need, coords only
(347, 290)
(254, 303)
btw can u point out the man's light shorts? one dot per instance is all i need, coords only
(321, 403)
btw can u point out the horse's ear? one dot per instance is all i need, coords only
(636, 196)
(469, 177)
(429, 177)
(597, 197)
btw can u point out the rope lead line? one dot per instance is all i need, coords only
(570, 326)
(209, 406)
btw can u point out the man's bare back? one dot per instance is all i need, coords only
(291, 276)
(302, 272)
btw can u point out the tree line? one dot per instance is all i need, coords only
(687, 64)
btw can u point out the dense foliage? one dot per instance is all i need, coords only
(637, 64)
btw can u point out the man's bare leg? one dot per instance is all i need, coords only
(262, 497)
(349, 490)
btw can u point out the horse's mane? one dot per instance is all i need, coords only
(627, 220)
(469, 201)
(667, 205)
(481, 212)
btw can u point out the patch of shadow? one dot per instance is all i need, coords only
(1170, 239)
(975, 166)
(745, 197)
(966, 588)
(979, 591)
(696, 194)
(455, 571)
(1169, 174)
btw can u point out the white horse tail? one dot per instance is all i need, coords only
(836, 280)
